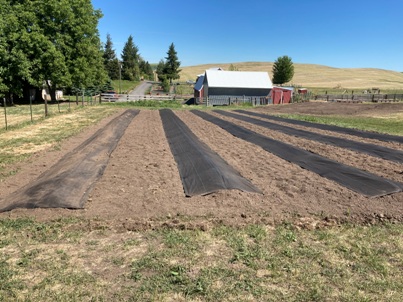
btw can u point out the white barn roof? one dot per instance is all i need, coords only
(238, 79)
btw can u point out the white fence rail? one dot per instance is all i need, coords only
(133, 98)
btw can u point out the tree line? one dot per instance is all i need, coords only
(133, 67)
(56, 44)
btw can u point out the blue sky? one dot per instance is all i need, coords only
(336, 33)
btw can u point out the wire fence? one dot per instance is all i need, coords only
(376, 98)
(15, 115)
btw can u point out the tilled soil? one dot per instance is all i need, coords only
(141, 186)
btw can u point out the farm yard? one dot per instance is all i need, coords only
(138, 202)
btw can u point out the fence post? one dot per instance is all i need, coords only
(5, 111)
(46, 106)
(30, 108)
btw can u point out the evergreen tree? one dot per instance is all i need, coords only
(111, 62)
(146, 70)
(131, 58)
(172, 64)
(160, 70)
(233, 67)
(283, 70)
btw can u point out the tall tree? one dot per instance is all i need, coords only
(283, 70)
(84, 49)
(15, 65)
(52, 42)
(111, 62)
(172, 64)
(130, 57)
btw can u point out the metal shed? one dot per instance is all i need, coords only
(281, 95)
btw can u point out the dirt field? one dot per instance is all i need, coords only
(141, 186)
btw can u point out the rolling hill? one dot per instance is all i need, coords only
(311, 75)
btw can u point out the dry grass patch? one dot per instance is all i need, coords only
(20, 142)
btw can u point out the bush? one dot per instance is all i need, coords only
(165, 85)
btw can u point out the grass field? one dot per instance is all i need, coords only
(124, 85)
(77, 259)
(318, 76)
(62, 260)
(392, 124)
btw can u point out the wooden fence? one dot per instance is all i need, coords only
(227, 100)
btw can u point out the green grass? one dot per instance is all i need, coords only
(383, 125)
(183, 89)
(125, 86)
(59, 261)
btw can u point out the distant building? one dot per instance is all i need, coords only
(199, 85)
(226, 87)
(281, 95)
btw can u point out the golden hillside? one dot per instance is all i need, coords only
(310, 75)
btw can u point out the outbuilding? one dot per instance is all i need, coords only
(281, 95)
(199, 85)
(198, 88)
(227, 87)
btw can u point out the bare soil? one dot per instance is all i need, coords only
(141, 187)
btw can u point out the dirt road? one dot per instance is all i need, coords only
(141, 88)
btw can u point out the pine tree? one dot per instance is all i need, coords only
(160, 70)
(146, 70)
(172, 64)
(111, 62)
(283, 70)
(130, 57)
